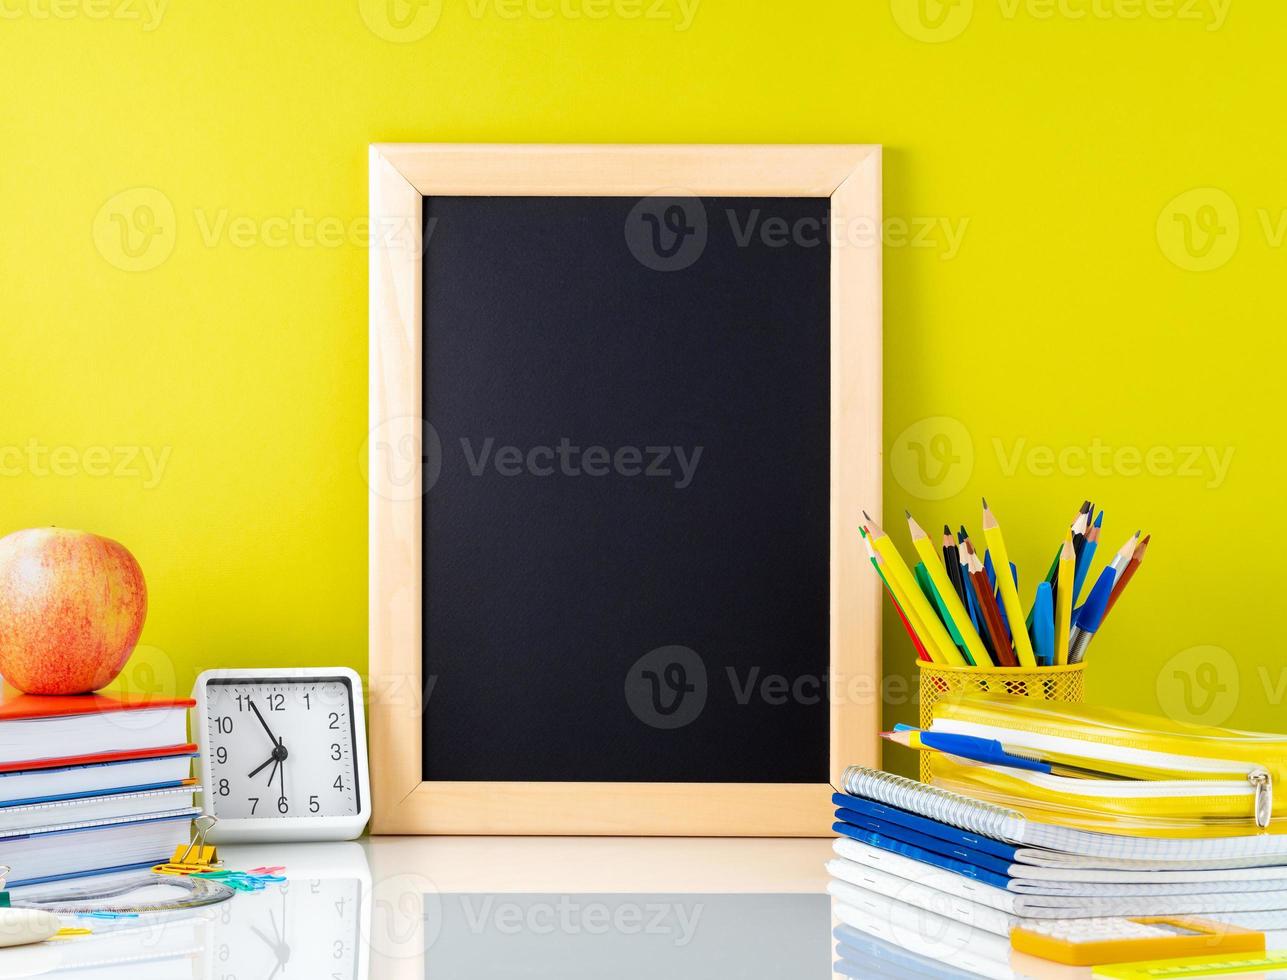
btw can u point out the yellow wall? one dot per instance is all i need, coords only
(1040, 294)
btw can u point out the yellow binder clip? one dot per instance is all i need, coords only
(197, 856)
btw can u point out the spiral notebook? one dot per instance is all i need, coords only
(1003, 824)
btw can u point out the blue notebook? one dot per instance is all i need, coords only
(924, 825)
(932, 858)
(967, 855)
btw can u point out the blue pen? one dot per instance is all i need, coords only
(1043, 625)
(989, 751)
(1090, 616)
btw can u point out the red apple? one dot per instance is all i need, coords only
(72, 605)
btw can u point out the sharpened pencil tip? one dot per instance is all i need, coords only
(985, 503)
(946, 529)
(1099, 519)
(866, 515)
(908, 513)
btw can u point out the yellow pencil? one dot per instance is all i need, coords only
(1064, 598)
(1005, 583)
(938, 575)
(896, 589)
(935, 637)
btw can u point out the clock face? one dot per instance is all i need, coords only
(280, 748)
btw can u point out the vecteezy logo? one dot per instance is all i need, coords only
(932, 21)
(666, 687)
(402, 916)
(1199, 685)
(401, 21)
(667, 231)
(135, 230)
(401, 458)
(934, 458)
(1199, 229)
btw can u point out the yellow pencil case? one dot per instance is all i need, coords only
(1116, 771)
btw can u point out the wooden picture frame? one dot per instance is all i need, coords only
(401, 175)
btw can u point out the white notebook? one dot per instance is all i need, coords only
(1003, 824)
(855, 860)
(93, 808)
(93, 848)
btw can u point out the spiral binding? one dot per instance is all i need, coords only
(976, 816)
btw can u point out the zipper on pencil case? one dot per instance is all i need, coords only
(1254, 780)
(1257, 785)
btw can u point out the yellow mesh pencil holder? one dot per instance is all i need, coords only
(1065, 683)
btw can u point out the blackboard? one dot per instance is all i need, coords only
(627, 489)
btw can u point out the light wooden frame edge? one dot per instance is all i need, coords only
(400, 176)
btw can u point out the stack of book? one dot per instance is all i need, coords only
(944, 858)
(91, 784)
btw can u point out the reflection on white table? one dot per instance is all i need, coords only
(482, 909)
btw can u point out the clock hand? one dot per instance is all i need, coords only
(255, 708)
(260, 768)
(281, 745)
(276, 763)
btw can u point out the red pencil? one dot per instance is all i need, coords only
(1120, 585)
(991, 612)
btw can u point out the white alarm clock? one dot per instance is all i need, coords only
(283, 754)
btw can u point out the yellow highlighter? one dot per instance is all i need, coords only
(1009, 594)
(935, 637)
(1064, 600)
(955, 609)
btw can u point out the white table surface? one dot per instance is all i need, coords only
(479, 908)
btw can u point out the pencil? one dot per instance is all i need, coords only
(1087, 556)
(923, 617)
(947, 594)
(1009, 594)
(1127, 574)
(921, 652)
(952, 561)
(1003, 655)
(1123, 556)
(1063, 600)
(1079, 529)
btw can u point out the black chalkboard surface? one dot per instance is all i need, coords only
(626, 523)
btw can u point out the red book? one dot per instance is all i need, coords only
(39, 732)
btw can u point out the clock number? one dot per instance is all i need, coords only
(282, 805)
(335, 751)
(308, 701)
(254, 802)
(313, 805)
(276, 702)
(242, 700)
(339, 783)
(335, 721)
(224, 724)
(221, 755)
(224, 789)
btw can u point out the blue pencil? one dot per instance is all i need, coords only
(1087, 556)
(992, 577)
